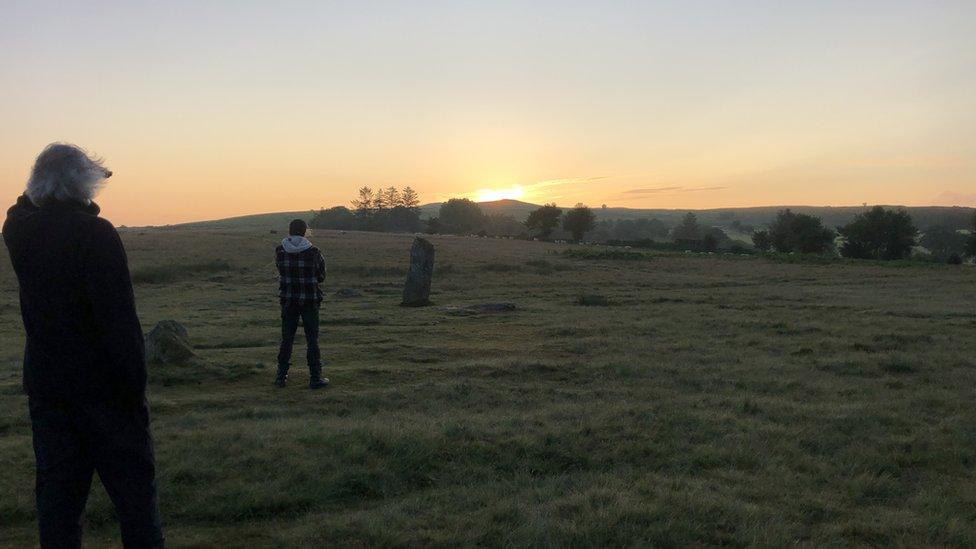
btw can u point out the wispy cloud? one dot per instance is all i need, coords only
(656, 190)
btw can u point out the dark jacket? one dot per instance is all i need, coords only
(84, 340)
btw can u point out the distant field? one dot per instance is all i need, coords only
(632, 399)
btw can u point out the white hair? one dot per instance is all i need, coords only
(65, 172)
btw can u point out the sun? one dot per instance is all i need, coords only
(490, 195)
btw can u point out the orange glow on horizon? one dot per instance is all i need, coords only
(491, 195)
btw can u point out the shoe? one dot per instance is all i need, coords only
(318, 383)
(281, 376)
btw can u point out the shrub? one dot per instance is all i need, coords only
(761, 240)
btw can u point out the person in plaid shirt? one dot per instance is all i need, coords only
(301, 269)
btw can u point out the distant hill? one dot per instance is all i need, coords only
(956, 217)
(924, 216)
(265, 221)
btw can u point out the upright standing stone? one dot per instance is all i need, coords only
(416, 292)
(168, 343)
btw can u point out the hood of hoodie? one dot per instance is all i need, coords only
(295, 244)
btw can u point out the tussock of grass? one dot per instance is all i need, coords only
(593, 300)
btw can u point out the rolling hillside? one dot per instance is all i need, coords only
(925, 216)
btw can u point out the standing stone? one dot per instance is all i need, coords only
(416, 292)
(168, 343)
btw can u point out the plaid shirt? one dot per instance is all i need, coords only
(299, 275)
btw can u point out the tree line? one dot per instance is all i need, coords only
(463, 216)
(879, 233)
(386, 210)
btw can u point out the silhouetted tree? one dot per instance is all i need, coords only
(402, 219)
(433, 226)
(579, 221)
(634, 229)
(687, 230)
(971, 243)
(879, 234)
(364, 203)
(461, 216)
(761, 240)
(503, 225)
(410, 199)
(392, 197)
(943, 242)
(800, 233)
(715, 239)
(544, 220)
(339, 217)
(379, 201)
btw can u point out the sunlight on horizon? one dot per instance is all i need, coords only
(490, 195)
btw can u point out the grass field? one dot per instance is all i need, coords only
(631, 400)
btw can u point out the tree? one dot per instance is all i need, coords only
(636, 229)
(879, 234)
(364, 203)
(402, 219)
(544, 220)
(503, 225)
(579, 221)
(688, 229)
(392, 197)
(339, 218)
(433, 226)
(714, 239)
(461, 216)
(761, 240)
(943, 241)
(800, 233)
(410, 199)
(971, 243)
(379, 201)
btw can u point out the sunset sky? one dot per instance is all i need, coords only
(213, 109)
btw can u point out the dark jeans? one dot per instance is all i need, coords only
(71, 442)
(309, 313)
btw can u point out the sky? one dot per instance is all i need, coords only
(206, 110)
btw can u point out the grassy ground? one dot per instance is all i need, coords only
(665, 400)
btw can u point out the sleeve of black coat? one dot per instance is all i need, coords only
(113, 307)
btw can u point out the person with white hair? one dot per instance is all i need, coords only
(84, 361)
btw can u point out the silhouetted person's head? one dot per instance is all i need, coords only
(64, 172)
(297, 228)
